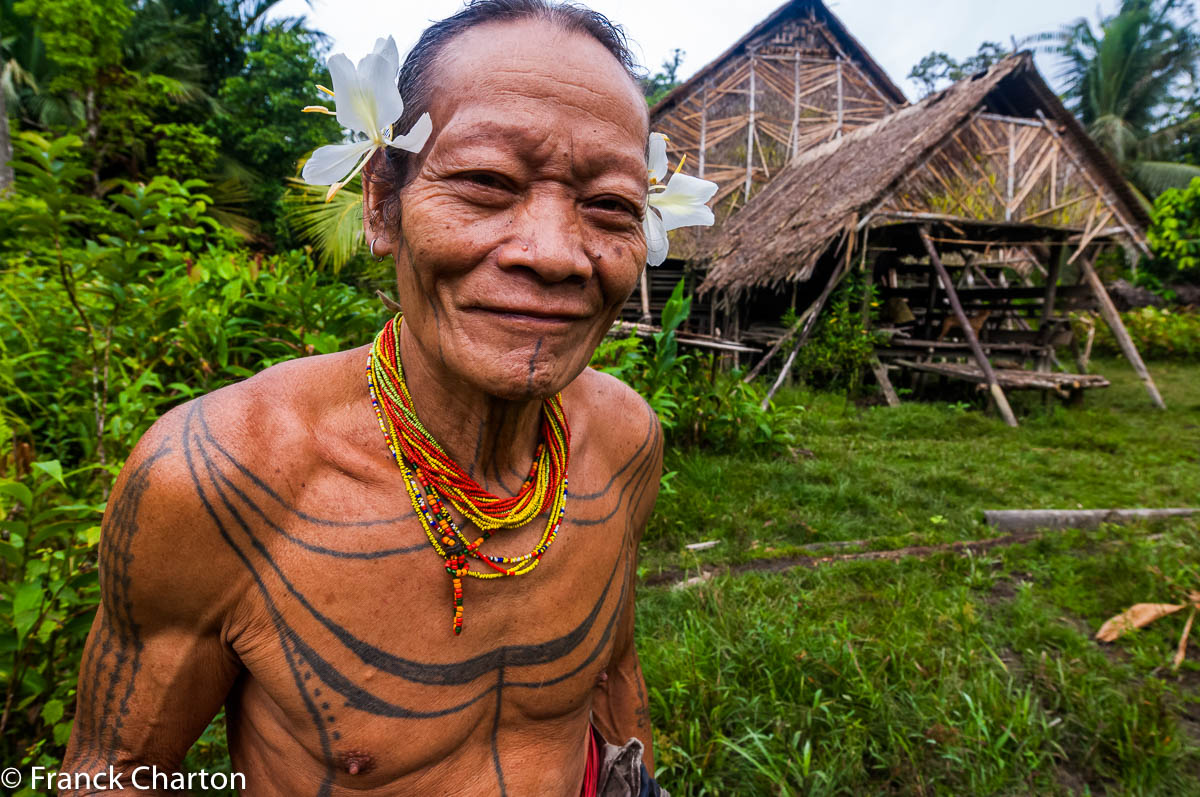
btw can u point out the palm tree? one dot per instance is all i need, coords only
(1122, 79)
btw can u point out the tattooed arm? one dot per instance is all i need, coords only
(620, 709)
(156, 667)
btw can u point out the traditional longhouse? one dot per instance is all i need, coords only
(977, 214)
(796, 80)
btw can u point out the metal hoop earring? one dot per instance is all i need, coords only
(378, 258)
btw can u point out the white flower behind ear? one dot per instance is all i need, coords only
(656, 163)
(683, 202)
(367, 103)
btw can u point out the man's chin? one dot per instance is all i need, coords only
(519, 375)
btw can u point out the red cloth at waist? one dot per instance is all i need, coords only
(591, 770)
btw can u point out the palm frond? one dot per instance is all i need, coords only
(1154, 177)
(229, 198)
(334, 228)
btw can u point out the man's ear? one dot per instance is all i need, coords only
(374, 192)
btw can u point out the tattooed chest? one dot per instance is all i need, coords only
(345, 629)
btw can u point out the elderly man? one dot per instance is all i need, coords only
(366, 569)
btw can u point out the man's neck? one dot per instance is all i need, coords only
(491, 438)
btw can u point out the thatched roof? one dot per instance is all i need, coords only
(849, 45)
(821, 196)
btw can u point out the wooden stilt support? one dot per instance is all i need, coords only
(1111, 317)
(756, 370)
(813, 312)
(968, 332)
(885, 384)
(1052, 273)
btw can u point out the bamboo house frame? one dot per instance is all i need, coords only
(978, 212)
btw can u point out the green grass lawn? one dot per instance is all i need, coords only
(924, 473)
(947, 675)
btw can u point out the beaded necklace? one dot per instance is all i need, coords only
(433, 479)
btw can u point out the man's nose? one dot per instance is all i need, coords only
(548, 239)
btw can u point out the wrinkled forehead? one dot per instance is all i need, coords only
(542, 81)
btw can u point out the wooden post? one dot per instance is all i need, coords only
(885, 384)
(927, 325)
(766, 358)
(1052, 272)
(840, 99)
(1111, 317)
(750, 130)
(1012, 169)
(968, 332)
(868, 281)
(813, 312)
(703, 128)
(1054, 178)
(736, 333)
(645, 282)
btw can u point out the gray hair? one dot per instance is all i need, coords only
(393, 170)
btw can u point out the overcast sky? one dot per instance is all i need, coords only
(897, 34)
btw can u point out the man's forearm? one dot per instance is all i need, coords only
(623, 711)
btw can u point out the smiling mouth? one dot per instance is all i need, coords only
(534, 316)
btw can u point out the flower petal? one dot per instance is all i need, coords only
(414, 140)
(332, 162)
(683, 203)
(656, 238)
(347, 94)
(386, 48)
(656, 161)
(377, 80)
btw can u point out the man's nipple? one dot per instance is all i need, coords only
(356, 763)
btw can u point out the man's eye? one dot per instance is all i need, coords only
(487, 180)
(614, 205)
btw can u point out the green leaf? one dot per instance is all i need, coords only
(62, 732)
(27, 604)
(53, 469)
(52, 712)
(17, 491)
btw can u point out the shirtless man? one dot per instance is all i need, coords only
(260, 550)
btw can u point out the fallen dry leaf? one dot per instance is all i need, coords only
(1136, 616)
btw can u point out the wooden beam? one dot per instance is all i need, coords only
(843, 268)
(1012, 120)
(1012, 168)
(1129, 229)
(757, 369)
(703, 127)
(885, 384)
(1052, 273)
(1108, 311)
(968, 332)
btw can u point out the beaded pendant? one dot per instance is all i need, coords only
(433, 479)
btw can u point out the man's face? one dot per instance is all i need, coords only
(521, 235)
